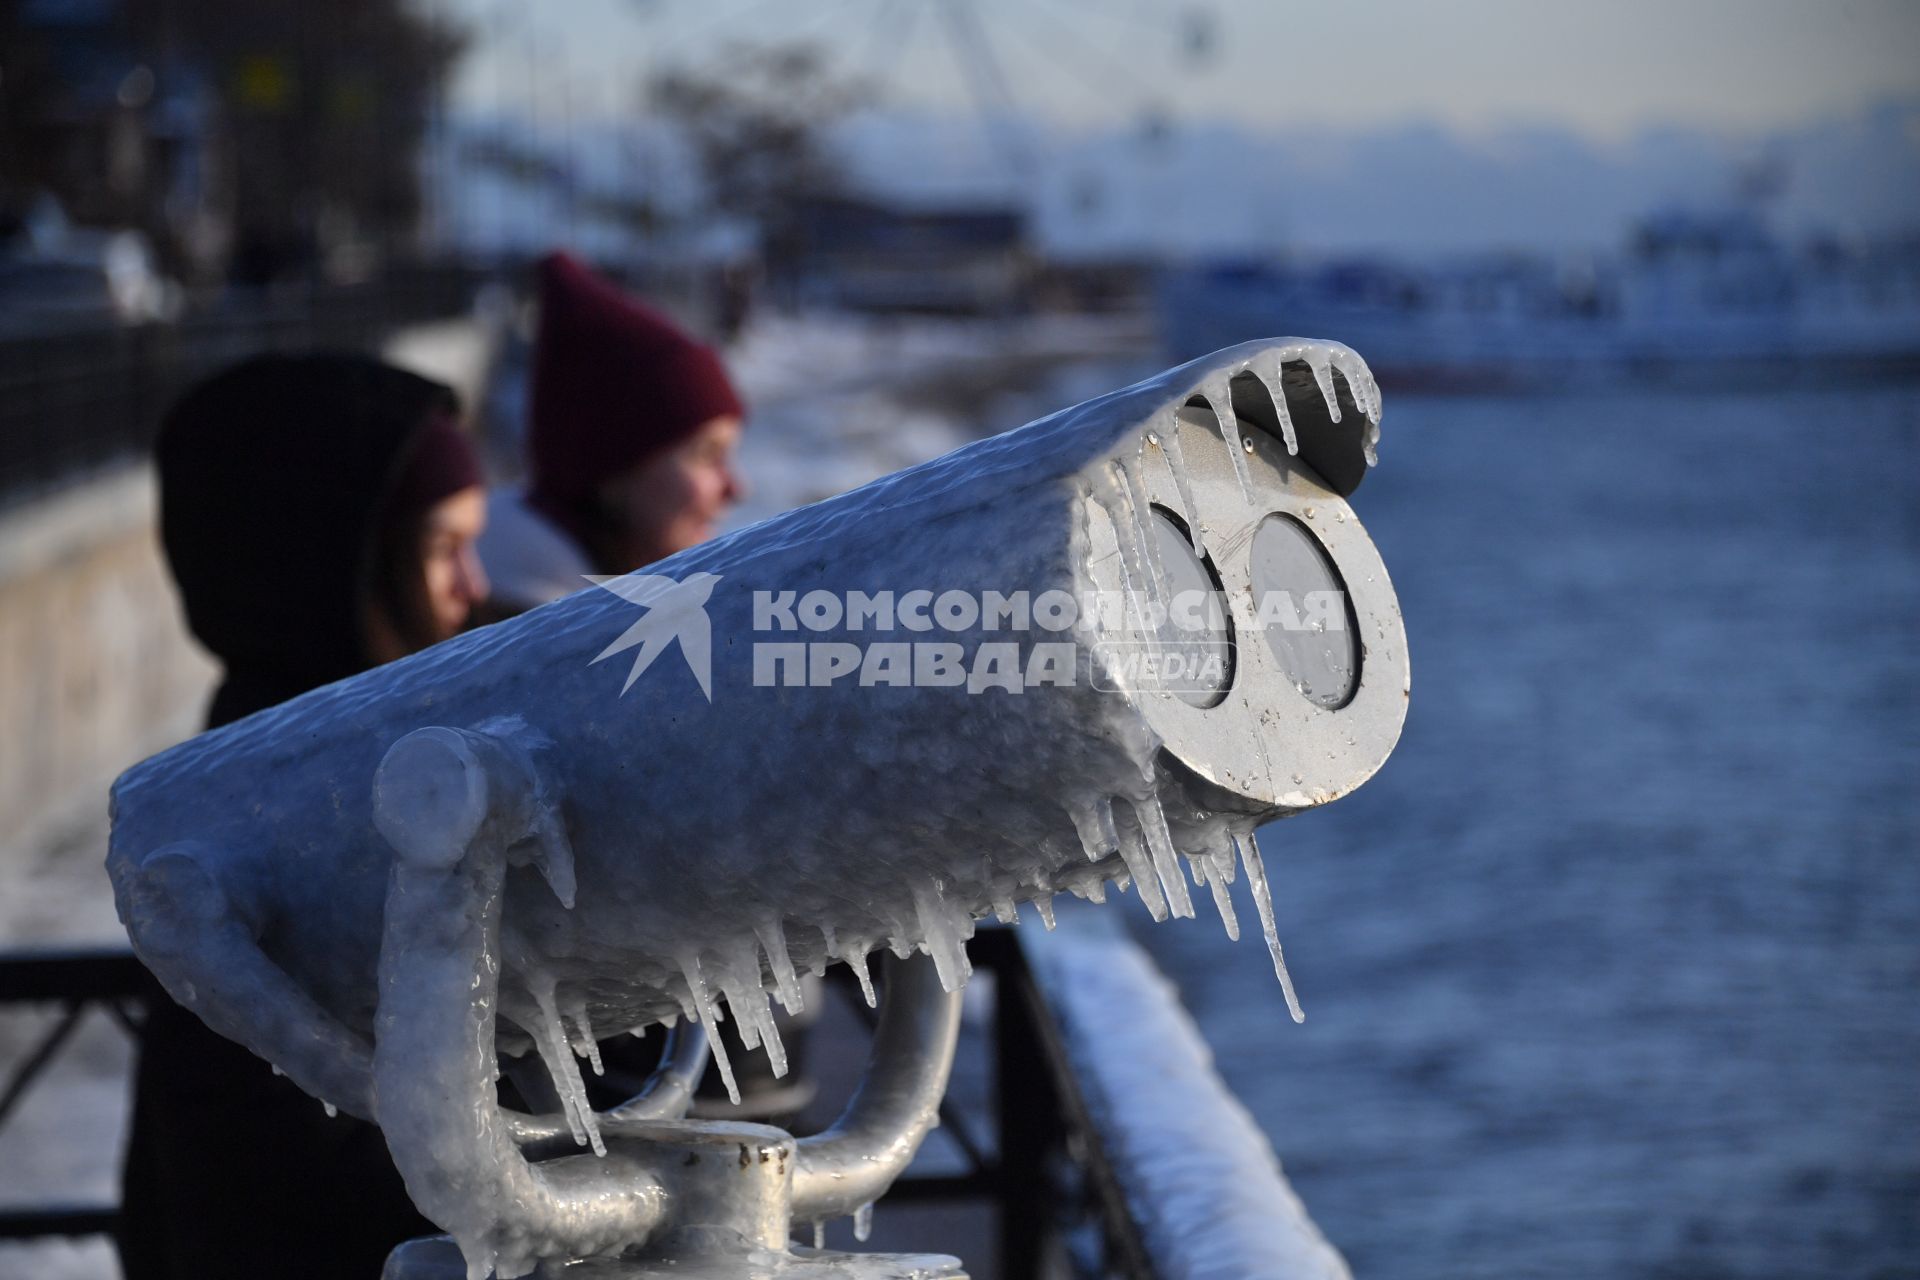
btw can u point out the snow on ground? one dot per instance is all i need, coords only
(836, 401)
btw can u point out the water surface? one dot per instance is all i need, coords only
(1614, 969)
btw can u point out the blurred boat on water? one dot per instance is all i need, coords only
(1694, 298)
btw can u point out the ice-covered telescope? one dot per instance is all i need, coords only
(1102, 647)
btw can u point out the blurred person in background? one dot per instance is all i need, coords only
(632, 432)
(631, 443)
(319, 515)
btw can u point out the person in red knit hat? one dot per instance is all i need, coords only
(632, 427)
(632, 430)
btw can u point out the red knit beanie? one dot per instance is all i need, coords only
(614, 383)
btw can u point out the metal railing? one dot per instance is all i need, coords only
(1042, 1169)
(72, 400)
(75, 982)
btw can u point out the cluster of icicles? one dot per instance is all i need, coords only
(862, 1226)
(1322, 360)
(1144, 844)
(1121, 490)
(564, 1032)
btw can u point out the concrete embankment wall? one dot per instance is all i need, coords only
(97, 670)
(96, 667)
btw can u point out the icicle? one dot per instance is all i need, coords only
(945, 941)
(1157, 589)
(1169, 436)
(1218, 390)
(670, 1021)
(769, 1033)
(1005, 912)
(276, 1069)
(564, 1070)
(331, 1110)
(1094, 821)
(773, 937)
(762, 1005)
(863, 1222)
(1166, 863)
(709, 1014)
(829, 941)
(745, 1024)
(1322, 367)
(1263, 902)
(819, 1234)
(1372, 442)
(1133, 851)
(1110, 494)
(584, 1043)
(1220, 862)
(1206, 871)
(1087, 884)
(1131, 537)
(752, 1011)
(856, 960)
(1360, 383)
(1277, 392)
(1045, 907)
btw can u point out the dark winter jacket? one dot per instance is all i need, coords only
(272, 478)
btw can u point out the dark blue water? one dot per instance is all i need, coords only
(1614, 969)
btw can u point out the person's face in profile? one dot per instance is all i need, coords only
(451, 575)
(434, 579)
(675, 501)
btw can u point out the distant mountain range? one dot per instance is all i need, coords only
(1201, 188)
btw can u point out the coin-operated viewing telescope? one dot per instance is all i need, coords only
(1100, 649)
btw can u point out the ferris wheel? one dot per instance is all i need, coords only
(1013, 62)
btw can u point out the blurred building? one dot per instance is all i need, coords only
(260, 138)
(864, 255)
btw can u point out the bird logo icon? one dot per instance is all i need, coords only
(675, 611)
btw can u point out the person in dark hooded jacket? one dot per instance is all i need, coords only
(318, 514)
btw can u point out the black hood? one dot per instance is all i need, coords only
(272, 479)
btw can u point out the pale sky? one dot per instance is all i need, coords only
(1604, 70)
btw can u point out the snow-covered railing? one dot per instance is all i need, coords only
(1203, 1187)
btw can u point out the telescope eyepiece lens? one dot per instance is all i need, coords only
(1200, 628)
(1304, 612)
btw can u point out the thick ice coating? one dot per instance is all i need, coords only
(783, 777)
